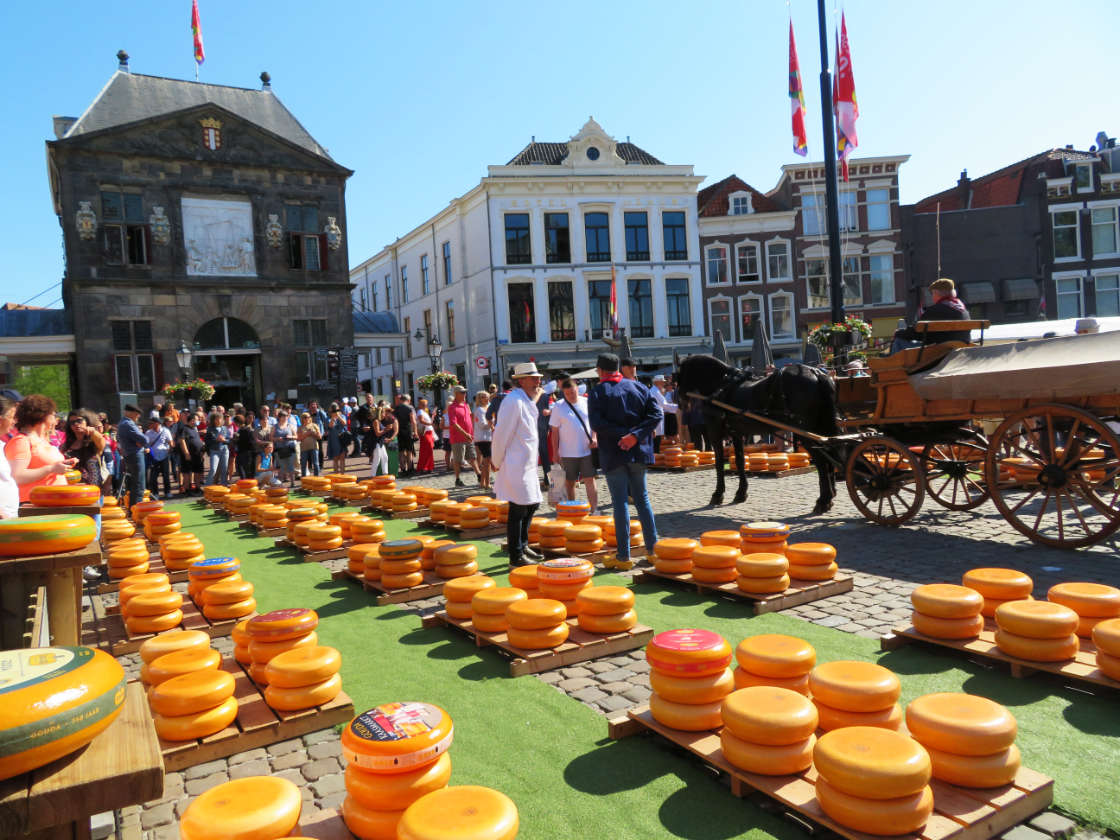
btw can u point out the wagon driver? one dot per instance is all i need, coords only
(514, 458)
(946, 306)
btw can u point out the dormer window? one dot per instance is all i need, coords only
(1083, 177)
(739, 204)
(592, 153)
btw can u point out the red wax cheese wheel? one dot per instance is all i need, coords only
(1089, 600)
(522, 577)
(716, 556)
(280, 625)
(386, 792)
(172, 641)
(767, 760)
(190, 693)
(401, 549)
(770, 716)
(688, 717)
(901, 815)
(196, 725)
(725, 538)
(564, 570)
(776, 655)
(745, 679)
(947, 628)
(55, 701)
(764, 531)
(397, 737)
(675, 548)
(180, 662)
(542, 639)
(947, 600)
(810, 554)
(536, 614)
(762, 565)
(688, 652)
(63, 495)
(962, 724)
(976, 771)
(708, 689)
(303, 666)
(1106, 636)
(605, 600)
(55, 534)
(463, 589)
(872, 763)
(462, 812)
(1001, 584)
(252, 808)
(830, 718)
(305, 696)
(493, 601)
(854, 686)
(1035, 649)
(263, 652)
(1037, 619)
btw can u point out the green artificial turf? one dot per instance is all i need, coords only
(550, 753)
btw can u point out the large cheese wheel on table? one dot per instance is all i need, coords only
(854, 686)
(688, 652)
(872, 763)
(243, 809)
(304, 696)
(885, 817)
(745, 679)
(830, 718)
(385, 792)
(1088, 600)
(770, 716)
(707, 689)
(463, 812)
(1000, 584)
(64, 495)
(688, 717)
(1037, 619)
(280, 625)
(54, 534)
(397, 737)
(767, 760)
(190, 693)
(947, 600)
(776, 655)
(55, 700)
(810, 554)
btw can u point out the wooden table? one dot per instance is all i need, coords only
(121, 766)
(40, 510)
(61, 574)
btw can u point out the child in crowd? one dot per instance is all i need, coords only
(266, 467)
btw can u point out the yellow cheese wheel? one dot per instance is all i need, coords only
(324, 545)
(463, 812)
(139, 624)
(1001, 584)
(184, 550)
(688, 652)
(583, 533)
(303, 697)
(118, 572)
(1037, 619)
(871, 762)
(536, 614)
(672, 567)
(227, 592)
(176, 663)
(64, 495)
(564, 570)
(724, 538)
(605, 600)
(762, 565)
(302, 666)
(262, 652)
(1035, 649)
(459, 609)
(947, 628)
(854, 686)
(1108, 664)
(554, 543)
(811, 553)
(239, 634)
(455, 554)
(831, 718)
(767, 760)
(430, 548)
(524, 577)
(241, 654)
(196, 725)
(150, 577)
(226, 612)
(383, 791)
(767, 715)
(127, 593)
(493, 601)
(1088, 600)
(402, 581)
(1106, 636)
(776, 655)
(400, 567)
(562, 591)
(458, 570)
(695, 690)
(777, 547)
(540, 639)
(172, 641)
(617, 623)
(885, 817)
(763, 586)
(188, 694)
(715, 556)
(1085, 625)
(280, 625)
(798, 571)
(213, 567)
(976, 771)
(993, 604)
(675, 548)
(689, 717)
(764, 531)
(583, 548)
(947, 600)
(252, 808)
(463, 589)
(962, 724)
(489, 623)
(745, 679)
(725, 575)
(397, 737)
(401, 549)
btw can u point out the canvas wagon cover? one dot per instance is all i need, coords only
(1051, 368)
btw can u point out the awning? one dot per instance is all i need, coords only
(978, 292)
(1021, 288)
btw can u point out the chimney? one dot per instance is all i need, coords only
(964, 188)
(266, 80)
(122, 57)
(62, 125)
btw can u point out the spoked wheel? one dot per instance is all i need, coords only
(1063, 488)
(955, 474)
(885, 481)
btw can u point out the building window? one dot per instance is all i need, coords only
(812, 214)
(849, 211)
(404, 284)
(557, 238)
(447, 263)
(428, 333)
(461, 373)
(680, 312)
(719, 317)
(750, 309)
(781, 316)
(716, 259)
(816, 276)
(598, 235)
(519, 250)
(878, 209)
(637, 236)
(676, 246)
(561, 312)
(1083, 177)
(309, 335)
(740, 204)
(373, 297)
(135, 369)
(853, 280)
(1105, 236)
(388, 291)
(1069, 297)
(411, 382)
(307, 248)
(124, 234)
(1067, 244)
(599, 307)
(408, 340)
(641, 308)
(1108, 295)
(449, 311)
(425, 275)
(362, 299)
(522, 320)
(882, 278)
(746, 263)
(777, 262)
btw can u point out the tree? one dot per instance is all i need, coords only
(51, 380)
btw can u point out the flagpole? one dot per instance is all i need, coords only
(832, 202)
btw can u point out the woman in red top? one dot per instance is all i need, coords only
(34, 461)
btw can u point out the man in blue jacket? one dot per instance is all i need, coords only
(133, 446)
(624, 414)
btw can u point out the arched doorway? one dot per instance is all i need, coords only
(227, 354)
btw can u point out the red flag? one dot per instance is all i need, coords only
(796, 99)
(844, 101)
(614, 306)
(196, 28)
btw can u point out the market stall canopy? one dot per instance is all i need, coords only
(1038, 329)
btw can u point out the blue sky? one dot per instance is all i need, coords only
(419, 97)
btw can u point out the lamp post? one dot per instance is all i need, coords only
(435, 351)
(183, 359)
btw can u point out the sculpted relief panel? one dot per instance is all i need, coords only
(219, 237)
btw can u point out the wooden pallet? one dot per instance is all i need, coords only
(1081, 670)
(421, 512)
(155, 565)
(696, 468)
(261, 531)
(111, 631)
(636, 551)
(314, 556)
(432, 587)
(257, 724)
(959, 813)
(494, 529)
(799, 593)
(581, 646)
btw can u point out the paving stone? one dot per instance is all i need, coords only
(1054, 824)
(574, 673)
(325, 749)
(639, 667)
(321, 767)
(332, 801)
(551, 677)
(313, 738)
(102, 825)
(258, 767)
(166, 832)
(621, 675)
(637, 694)
(615, 687)
(200, 770)
(157, 816)
(830, 621)
(1024, 832)
(196, 786)
(572, 685)
(614, 703)
(292, 759)
(292, 775)
(329, 784)
(599, 667)
(589, 695)
(250, 755)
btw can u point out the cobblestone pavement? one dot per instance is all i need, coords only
(938, 545)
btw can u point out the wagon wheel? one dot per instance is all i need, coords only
(955, 474)
(1065, 463)
(885, 481)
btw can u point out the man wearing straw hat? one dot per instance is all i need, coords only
(514, 454)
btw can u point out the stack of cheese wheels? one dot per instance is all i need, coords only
(434, 494)
(768, 730)
(403, 502)
(194, 704)
(537, 623)
(297, 516)
(1039, 631)
(56, 700)
(758, 462)
(535, 529)
(341, 478)
(241, 640)
(111, 510)
(352, 492)
(345, 520)
(611, 539)
(873, 780)
(438, 510)
(395, 753)
(673, 555)
(428, 555)
(998, 586)
(970, 739)
(384, 482)
(453, 513)
(51, 534)
(400, 563)
(183, 658)
(478, 501)
(1093, 603)
(672, 455)
(161, 523)
(947, 611)
(763, 537)
(273, 515)
(724, 538)
(367, 530)
(606, 609)
(116, 530)
(690, 458)
(689, 675)
(716, 563)
(499, 510)
(582, 538)
(1106, 637)
(127, 557)
(276, 632)
(461, 811)
(64, 495)
(245, 485)
(525, 579)
(356, 558)
(456, 560)
(777, 462)
(212, 570)
(474, 518)
(324, 537)
(776, 660)
(314, 483)
(563, 578)
(238, 504)
(252, 808)
(798, 460)
(811, 561)
(552, 534)
(574, 512)
(460, 593)
(303, 678)
(852, 693)
(228, 599)
(135, 584)
(214, 493)
(705, 458)
(143, 508)
(171, 642)
(179, 550)
(488, 607)
(277, 495)
(382, 500)
(152, 611)
(762, 573)
(299, 530)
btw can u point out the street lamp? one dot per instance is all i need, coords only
(183, 358)
(435, 351)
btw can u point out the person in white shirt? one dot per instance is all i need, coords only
(570, 434)
(483, 435)
(667, 407)
(9, 491)
(159, 448)
(514, 454)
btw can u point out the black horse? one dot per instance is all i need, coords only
(798, 395)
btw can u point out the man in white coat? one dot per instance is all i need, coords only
(667, 407)
(514, 454)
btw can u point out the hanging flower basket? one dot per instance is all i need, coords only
(851, 332)
(202, 389)
(442, 381)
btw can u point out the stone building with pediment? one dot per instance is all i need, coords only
(199, 215)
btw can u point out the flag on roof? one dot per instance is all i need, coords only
(844, 101)
(196, 28)
(614, 305)
(796, 99)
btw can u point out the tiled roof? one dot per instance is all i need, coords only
(20, 323)
(552, 154)
(375, 322)
(714, 200)
(131, 97)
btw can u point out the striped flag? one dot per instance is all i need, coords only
(196, 28)
(796, 99)
(844, 101)
(614, 305)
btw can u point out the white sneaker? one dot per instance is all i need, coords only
(91, 573)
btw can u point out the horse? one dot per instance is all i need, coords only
(798, 395)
